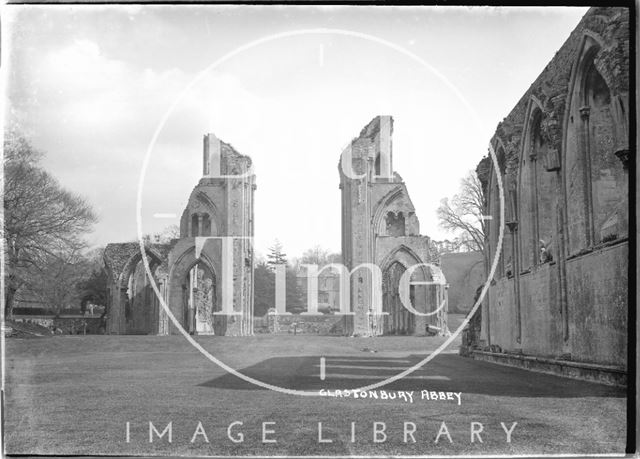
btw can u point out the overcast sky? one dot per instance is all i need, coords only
(89, 85)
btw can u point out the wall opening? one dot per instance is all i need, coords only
(395, 224)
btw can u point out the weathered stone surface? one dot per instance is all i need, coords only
(380, 227)
(465, 273)
(221, 205)
(297, 324)
(560, 289)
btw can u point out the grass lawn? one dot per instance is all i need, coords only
(75, 394)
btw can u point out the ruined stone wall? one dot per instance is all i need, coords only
(540, 314)
(324, 324)
(224, 198)
(597, 297)
(465, 273)
(220, 205)
(132, 306)
(380, 227)
(562, 156)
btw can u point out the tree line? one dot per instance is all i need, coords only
(265, 277)
(44, 224)
(46, 255)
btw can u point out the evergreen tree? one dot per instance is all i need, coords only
(264, 285)
(265, 282)
(276, 256)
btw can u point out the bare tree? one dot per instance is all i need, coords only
(317, 255)
(41, 219)
(55, 282)
(463, 213)
(92, 285)
(163, 237)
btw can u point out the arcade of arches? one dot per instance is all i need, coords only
(380, 228)
(560, 290)
(191, 278)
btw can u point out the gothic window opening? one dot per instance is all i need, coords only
(206, 226)
(399, 320)
(595, 178)
(607, 175)
(505, 261)
(195, 227)
(395, 224)
(200, 303)
(526, 211)
(537, 191)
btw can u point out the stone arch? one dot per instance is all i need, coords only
(408, 257)
(378, 219)
(202, 224)
(536, 190)
(395, 223)
(200, 217)
(425, 299)
(527, 195)
(179, 285)
(493, 209)
(154, 257)
(139, 306)
(199, 298)
(594, 177)
(211, 212)
(388, 204)
(398, 320)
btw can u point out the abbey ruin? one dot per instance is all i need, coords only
(559, 294)
(560, 289)
(204, 294)
(208, 295)
(380, 228)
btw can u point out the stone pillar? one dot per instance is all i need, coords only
(121, 320)
(386, 168)
(211, 156)
(513, 228)
(536, 225)
(585, 147)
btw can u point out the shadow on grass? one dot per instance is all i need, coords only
(446, 372)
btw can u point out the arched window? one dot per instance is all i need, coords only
(200, 299)
(206, 226)
(395, 224)
(195, 225)
(545, 193)
(537, 193)
(526, 207)
(608, 178)
(505, 261)
(595, 179)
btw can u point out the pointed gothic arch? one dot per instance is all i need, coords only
(195, 316)
(594, 176)
(139, 308)
(426, 299)
(493, 203)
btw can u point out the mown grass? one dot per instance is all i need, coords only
(74, 395)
